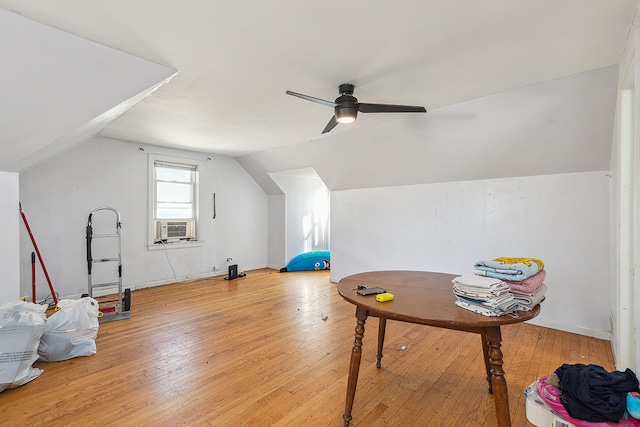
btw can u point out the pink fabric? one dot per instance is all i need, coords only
(551, 396)
(528, 286)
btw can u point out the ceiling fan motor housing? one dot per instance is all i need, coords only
(346, 88)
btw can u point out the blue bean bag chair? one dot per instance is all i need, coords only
(309, 261)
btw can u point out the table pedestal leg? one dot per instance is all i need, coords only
(382, 326)
(487, 360)
(499, 384)
(354, 365)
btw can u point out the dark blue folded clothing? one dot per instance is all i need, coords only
(591, 393)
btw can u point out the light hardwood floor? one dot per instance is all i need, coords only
(255, 352)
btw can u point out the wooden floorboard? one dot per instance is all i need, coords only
(255, 352)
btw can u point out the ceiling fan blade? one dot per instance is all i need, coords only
(389, 108)
(312, 99)
(332, 123)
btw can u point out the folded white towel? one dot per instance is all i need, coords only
(498, 301)
(477, 281)
(485, 311)
(480, 293)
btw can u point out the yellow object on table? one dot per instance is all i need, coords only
(384, 297)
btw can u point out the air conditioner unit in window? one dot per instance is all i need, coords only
(172, 231)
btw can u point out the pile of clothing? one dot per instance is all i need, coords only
(501, 286)
(589, 395)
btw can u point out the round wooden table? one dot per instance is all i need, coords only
(425, 298)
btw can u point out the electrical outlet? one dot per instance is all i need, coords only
(229, 259)
(215, 267)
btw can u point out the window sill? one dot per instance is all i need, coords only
(175, 245)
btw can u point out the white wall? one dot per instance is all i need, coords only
(9, 250)
(561, 219)
(58, 196)
(276, 255)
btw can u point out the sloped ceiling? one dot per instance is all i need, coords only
(237, 59)
(56, 86)
(560, 126)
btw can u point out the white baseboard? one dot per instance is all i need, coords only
(110, 290)
(594, 333)
(275, 267)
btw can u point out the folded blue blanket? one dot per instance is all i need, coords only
(510, 270)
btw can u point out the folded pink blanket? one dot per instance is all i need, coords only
(528, 286)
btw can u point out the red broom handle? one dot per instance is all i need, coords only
(33, 277)
(35, 246)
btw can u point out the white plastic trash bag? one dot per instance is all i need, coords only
(71, 331)
(21, 326)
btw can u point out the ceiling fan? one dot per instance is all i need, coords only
(346, 106)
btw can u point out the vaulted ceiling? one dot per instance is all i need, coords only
(211, 76)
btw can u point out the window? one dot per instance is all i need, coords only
(173, 195)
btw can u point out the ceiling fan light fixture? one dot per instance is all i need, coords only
(346, 114)
(346, 119)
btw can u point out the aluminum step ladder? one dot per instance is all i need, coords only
(115, 309)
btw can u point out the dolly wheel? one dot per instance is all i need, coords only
(126, 301)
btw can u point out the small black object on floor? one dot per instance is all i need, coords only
(233, 272)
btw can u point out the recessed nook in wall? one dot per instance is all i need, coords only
(306, 223)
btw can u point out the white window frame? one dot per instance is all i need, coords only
(153, 243)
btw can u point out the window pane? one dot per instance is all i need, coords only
(173, 192)
(169, 174)
(174, 211)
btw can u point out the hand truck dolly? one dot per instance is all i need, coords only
(115, 309)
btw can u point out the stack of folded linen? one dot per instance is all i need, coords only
(502, 286)
(484, 295)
